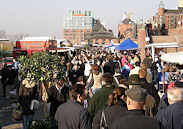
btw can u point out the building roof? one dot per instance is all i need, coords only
(99, 35)
(127, 21)
(163, 45)
(4, 39)
(175, 11)
(36, 39)
(171, 11)
(99, 32)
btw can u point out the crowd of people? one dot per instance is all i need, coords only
(104, 90)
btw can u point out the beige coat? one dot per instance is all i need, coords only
(97, 80)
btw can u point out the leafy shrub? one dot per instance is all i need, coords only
(41, 66)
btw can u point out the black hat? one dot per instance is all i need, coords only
(137, 94)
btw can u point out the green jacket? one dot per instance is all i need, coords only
(99, 100)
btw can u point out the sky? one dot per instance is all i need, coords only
(45, 17)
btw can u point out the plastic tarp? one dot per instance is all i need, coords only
(176, 58)
(127, 45)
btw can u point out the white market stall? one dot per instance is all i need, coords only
(161, 45)
(176, 58)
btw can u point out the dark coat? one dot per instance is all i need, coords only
(8, 75)
(26, 95)
(74, 75)
(82, 68)
(56, 98)
(152, 100)
(99, 100)
(111, 113)
(150, 89)
(135, 119)
(5, 75)
(72, 115)
(172, 116)
(109, 67)
(163, 102)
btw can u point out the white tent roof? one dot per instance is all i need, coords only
(4, 39)
(36, 38)
(163, 45)
(98, 45)
(173, 58)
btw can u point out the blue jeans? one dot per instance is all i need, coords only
(27, 121)
(53, 124)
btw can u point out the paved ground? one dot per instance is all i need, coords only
(6, 109)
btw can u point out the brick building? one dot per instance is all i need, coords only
(170, 18)
(127, 29)
(100, 34)
(76, 24)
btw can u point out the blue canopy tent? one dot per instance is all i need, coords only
(127, 45)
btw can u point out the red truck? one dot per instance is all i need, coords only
(29, 45)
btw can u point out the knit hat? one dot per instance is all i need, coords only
(137, 94)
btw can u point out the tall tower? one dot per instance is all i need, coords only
(161, 8)
(161, 11)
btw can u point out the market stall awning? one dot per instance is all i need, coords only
(127, 45)
(163, 45)
(176, 58)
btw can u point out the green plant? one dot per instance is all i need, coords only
(41, 67)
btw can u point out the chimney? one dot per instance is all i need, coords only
(141, 41)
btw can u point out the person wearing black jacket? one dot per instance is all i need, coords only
(171, 117)
(57, 95)
(74, 74)
(72, 115)
(4, 79)
(135, 117)
(116, 107)
(109, 66)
